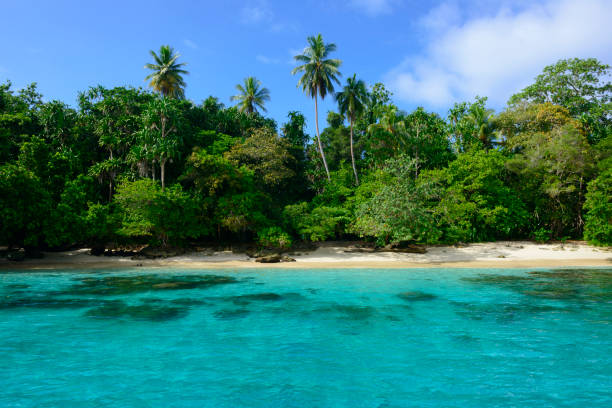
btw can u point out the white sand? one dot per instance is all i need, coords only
(332, 255)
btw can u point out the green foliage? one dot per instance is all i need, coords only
(400, 210)
(267, 156)
(472, 125)
(24, 205)
(162, 122)
(103, 222)
(598, 204)
(554, 168)
(67, 223)
(477, 204)
(319, 224)
(582, 86)
(542, 235)
(352, 101)
(167, 216)
(293, 130)
(274, 237)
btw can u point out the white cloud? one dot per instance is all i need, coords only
(257, 12)
(498, 55)
(260, 13)
(373, 7)
(267, 60)
(191, 44)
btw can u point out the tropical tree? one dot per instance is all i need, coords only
(582, 86)
(319, 74)
(167, 75)
(162, 122)
(352, 101)
(386, 137)
(251, 95)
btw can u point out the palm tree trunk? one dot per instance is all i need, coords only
(162, 165)
(353, 155)
(319, 138)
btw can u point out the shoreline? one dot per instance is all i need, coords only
(334, 255)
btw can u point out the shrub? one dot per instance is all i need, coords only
(274, 237)
(542, 235)
(598, 225)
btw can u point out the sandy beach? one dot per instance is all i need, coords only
(514, 254)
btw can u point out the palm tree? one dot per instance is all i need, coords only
(167, 75)
(319, 74)
(352, 101)
(481, 119)
(251, 95)
(392, 127)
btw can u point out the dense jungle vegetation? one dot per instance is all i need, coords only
(130, 165)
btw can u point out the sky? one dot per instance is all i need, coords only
(428, 53)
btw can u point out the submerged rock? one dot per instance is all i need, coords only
(584, 285)
(347, 312)
(150, 312)
(189, 302)
(18, 286)
(48, 302)
(227, 314)
(415, 296)
(118, 285)
(246, 299)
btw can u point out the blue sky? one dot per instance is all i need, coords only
(429, 54)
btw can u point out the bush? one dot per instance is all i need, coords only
(166, 216)
(598, 225)
(401, 210)
(318, 224)
(477, 204)
(542, 235)
(274, 237)
(24, 206)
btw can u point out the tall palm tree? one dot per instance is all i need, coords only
(251, 95)
(167, 75)
(319, 74)
(352, 101)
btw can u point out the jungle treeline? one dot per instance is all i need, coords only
(134, 165)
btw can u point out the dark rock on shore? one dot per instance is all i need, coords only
(269, 259)
(97, 251)
(402, 247)
(274, 258)
(16, 256)
(154, 253)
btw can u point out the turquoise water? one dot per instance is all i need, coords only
(306, 338)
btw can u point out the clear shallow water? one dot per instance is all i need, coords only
(306, 338)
